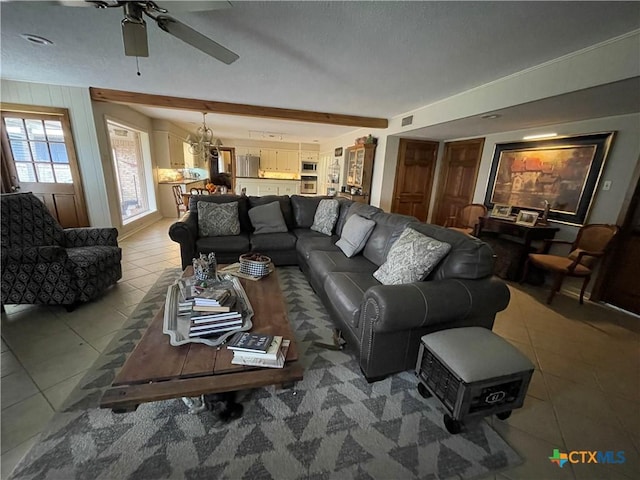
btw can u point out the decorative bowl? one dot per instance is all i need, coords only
(254, 264)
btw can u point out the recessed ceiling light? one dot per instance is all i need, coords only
(490, 116)
(540, 135)
(36, 39)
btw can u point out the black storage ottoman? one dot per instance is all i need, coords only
(473, 372)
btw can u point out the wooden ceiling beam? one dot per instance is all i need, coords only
(120, 96)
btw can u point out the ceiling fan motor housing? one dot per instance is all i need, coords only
(134, 31)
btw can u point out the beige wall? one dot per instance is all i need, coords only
(131, 118)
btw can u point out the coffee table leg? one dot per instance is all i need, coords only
(231, 409)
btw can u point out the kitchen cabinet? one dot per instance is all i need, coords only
(253, 151)
(309, 156)
(360, 168)
(268, 160)
(272, 160)
(287, 161)
(261, 187)
(169, 150)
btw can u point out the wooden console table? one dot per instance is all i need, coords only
(520, 234)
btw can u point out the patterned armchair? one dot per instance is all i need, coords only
(46, 264)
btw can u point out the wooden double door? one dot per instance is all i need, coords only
(415, 174)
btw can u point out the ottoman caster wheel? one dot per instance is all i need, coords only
(453, 426)
(423, 391)
(504, 415)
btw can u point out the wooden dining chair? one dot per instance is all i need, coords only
(589, 246)
(177, 196)
(467, 218)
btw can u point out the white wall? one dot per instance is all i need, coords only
(131, 118)
(78, 102)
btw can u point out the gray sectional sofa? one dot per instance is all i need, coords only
(382, 323)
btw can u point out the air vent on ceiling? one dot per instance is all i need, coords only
(407, 120)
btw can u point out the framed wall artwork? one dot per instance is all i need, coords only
(527, 218)
(337, 152)
(500, 210)
(563, 171)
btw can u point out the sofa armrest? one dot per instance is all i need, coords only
(393, 308)
(185, 232)
(88, 237)
(34, 255)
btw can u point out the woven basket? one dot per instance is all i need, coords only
(253, 267)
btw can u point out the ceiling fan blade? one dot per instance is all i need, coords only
(193, 6)
(195, 39)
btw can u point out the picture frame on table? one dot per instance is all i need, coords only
(563, 171)
(501, 211)
(527, 218)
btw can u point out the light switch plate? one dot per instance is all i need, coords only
(606, 185)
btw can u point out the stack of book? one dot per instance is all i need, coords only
(258, 350)
(209, 310)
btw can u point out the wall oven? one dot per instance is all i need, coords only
(309, 167)
(308, 184)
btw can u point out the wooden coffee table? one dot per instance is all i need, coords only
(156, 370)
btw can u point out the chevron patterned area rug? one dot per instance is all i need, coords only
(333, 424)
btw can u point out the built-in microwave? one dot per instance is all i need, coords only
(309, 167)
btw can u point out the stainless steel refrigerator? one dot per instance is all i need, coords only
(247, 166)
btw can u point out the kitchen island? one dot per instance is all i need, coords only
(267, 186)
(166, 200)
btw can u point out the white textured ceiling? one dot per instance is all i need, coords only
(362, 58)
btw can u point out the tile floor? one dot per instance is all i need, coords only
(585, 393)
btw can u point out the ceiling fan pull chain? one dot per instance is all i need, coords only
(138, 67)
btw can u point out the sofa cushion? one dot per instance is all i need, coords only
(468, 258)
(308, 240)
(326, 216)
(273, 241)
(267, 218)
(304, 209)
(243, 206)
(237, 243)
(345, 290)
(285, 206)
(411, 258)
(389, 227)
(216, 220)
(355, 233)
(322, 262)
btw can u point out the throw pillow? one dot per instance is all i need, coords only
(326, 216)
(267, 218)
(218, 219)
(411, 258)
(355, 234)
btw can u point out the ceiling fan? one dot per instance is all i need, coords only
(134, 27)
